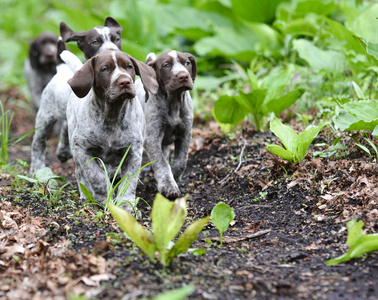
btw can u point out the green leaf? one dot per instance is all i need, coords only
(177, 217)
(278, 105)
(318, 59)
(277, 80)
(279, 151)
(306, 137)
(140, 236)
(186, 238)
(228, 110)
(86, 192)
(222, 215)
(32, 180)
(358, 243)
(176, 294)
(286, 134)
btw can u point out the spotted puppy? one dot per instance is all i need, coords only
(41, 65)
(107, 120)
(169, 117)
(55, 95)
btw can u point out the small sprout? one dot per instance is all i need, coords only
(221, 216)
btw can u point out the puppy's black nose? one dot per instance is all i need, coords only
(183, 77)
(124, 82)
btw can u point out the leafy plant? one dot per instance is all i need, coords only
(221, 216)
(121, 186)
(176, 294)
(265, 97)
(45, 181)
(358, 243)
(357, 115)
(5, 122)
(167, 220)
(296, 146)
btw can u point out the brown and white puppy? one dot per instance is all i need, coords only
(107, 120)
(41, 65)
(55, 95)
(169, 117)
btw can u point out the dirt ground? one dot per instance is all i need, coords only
(289, 220)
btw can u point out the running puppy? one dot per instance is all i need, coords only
(169, 117)
(107, 120)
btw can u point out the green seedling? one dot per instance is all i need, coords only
(358, 243)
(167, 219)
(221, 216)
(115, 192)
(296, 146)
(45, 181)
(265, 97)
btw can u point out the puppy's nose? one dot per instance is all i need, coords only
(183, 77)
(124, 82)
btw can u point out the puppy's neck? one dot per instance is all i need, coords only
(171, 97)
(110, 113)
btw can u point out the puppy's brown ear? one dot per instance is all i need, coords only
(192, 60)
(34, 53)
(82, 82)
(147, 75)
(60, 48)
(65, 32)
(110, 22)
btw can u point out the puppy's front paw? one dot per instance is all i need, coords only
(170, 190)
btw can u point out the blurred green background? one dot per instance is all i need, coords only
(329, 43)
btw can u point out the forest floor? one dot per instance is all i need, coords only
(290, 219)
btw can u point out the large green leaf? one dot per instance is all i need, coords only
(140, 236)
(286, 134)
(365, 24)
(256, 10)
(319, 59)
(186, 238)
(229, 110)
(357, 115)
(278, 105)
(160, 219)
(177, 217)
(221, 215)
(277, 80)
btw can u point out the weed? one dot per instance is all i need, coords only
(167, 219)
(221, 216)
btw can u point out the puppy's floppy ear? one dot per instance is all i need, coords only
(82, 82)
(192, 60)
(34, 53)
(147, 75)
(110, 22)
(60, 48)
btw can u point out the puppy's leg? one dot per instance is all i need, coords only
(43, 124)
(63, 151)
(162, 170)
(181, 156)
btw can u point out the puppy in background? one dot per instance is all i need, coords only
(169, 117)
(41, 65)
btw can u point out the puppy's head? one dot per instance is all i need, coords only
(96, 40)
(43, 51)
(112, 76)
(175, 71)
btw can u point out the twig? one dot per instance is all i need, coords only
(240, 160)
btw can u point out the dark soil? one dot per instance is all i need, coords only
(300, 209)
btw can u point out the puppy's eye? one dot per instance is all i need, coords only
(166, 65)
(116, 40)
(105, 69)
(187, 63)
(129, 67)
(95, 42)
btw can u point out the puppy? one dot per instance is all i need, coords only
(41, 65)
(55, 95)
(107, 120)
(169, 117)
